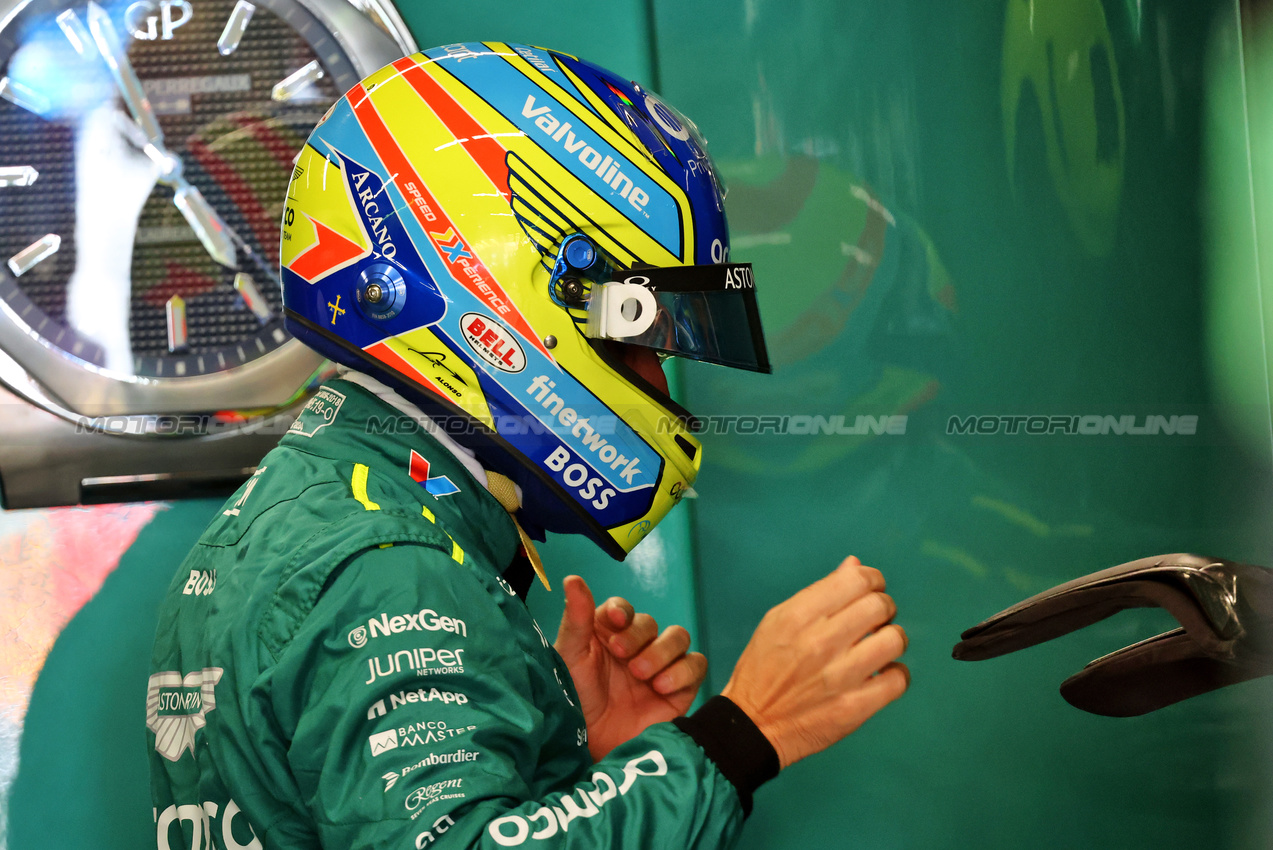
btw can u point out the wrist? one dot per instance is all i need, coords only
(737, 746)
(758, 719)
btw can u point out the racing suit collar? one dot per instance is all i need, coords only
(385, 393)
(403, 461)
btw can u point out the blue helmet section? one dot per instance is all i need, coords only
(672, 145)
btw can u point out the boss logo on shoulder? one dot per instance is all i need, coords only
(201, 583)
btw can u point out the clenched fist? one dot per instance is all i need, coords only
(822, 662)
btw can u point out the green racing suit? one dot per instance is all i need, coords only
(341, 662)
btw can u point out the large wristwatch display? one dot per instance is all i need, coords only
(145, 150)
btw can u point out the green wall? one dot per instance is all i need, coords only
(908, 265)
(1047, 170)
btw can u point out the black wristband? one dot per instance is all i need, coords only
(731, 740)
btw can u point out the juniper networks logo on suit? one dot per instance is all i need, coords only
(425, 661)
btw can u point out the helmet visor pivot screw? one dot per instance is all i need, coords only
(572, 292)
(381, 291)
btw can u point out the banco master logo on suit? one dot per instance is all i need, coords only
(417, 734)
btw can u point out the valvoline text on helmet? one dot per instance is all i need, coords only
(560, 132)
(507, 89)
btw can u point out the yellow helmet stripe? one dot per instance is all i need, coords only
(589, 207)
(430, 214)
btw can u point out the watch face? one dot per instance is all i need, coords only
(145, 150)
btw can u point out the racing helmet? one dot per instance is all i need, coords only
(493, 230)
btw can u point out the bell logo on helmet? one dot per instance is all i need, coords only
(490, 341)
(605, 167)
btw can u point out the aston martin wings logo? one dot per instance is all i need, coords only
(177, 707)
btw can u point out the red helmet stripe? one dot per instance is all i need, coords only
(485, 151)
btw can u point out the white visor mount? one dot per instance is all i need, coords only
(621, 311)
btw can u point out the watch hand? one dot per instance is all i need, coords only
(206, 224)
(216, 236)
(107, 41)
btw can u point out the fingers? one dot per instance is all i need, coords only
(875, 652)
(663, 659)
(882, 688)
(574, 636)
(632, 640)
(861, 617)
(685, 676)
(660, 653)
(615, 614)
(847, 583)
